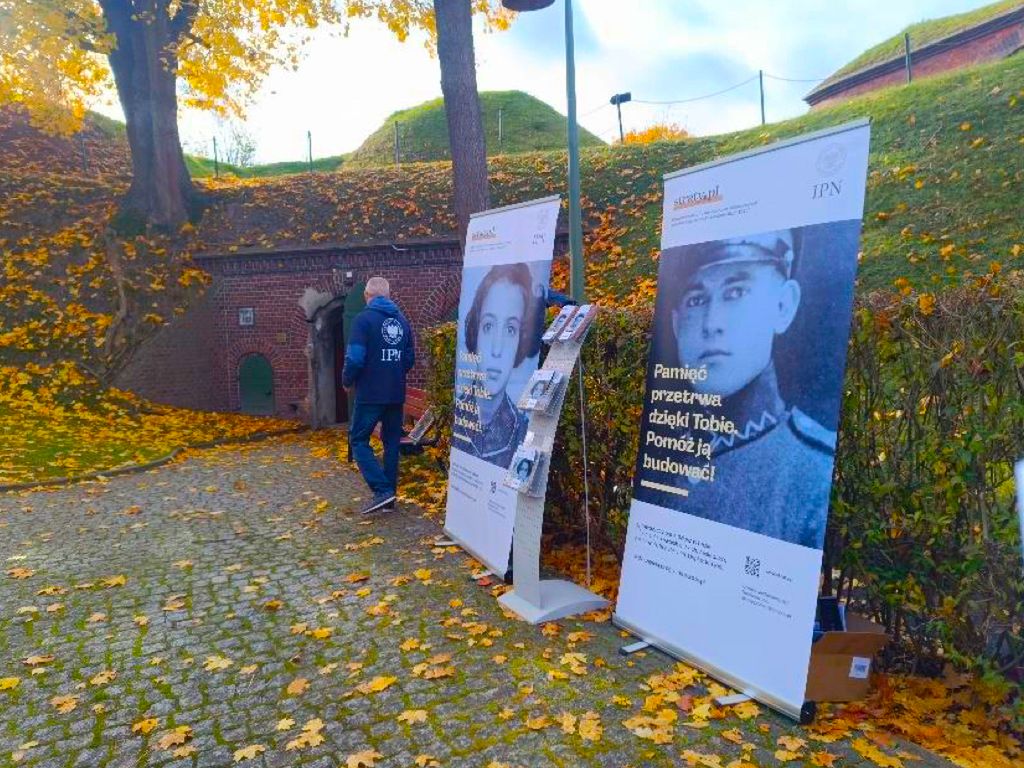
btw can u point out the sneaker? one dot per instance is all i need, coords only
(380, 501)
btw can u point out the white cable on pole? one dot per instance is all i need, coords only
(586, 470)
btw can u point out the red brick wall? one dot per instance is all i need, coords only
(194, 361)
(174, 366)
(996, 45)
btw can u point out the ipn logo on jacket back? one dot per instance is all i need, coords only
(392, 331)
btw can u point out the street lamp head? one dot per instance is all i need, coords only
(526, 5)
(621, 98)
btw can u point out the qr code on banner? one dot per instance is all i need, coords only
(753, 566)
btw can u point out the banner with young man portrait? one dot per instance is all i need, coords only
(506, 268)
(738, 432)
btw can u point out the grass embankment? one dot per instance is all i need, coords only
(527, 125)
(943, 202)
(54, 424)
(921, 34)
(943, 190)
(204, 168)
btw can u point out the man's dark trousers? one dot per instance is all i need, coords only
(382, 480)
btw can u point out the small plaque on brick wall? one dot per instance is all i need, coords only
(282, 337)
(246, 316)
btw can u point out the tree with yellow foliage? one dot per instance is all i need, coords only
(656, 132)
(58, 56)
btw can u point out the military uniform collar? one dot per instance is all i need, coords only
(755, 411)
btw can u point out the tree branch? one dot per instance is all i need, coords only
(197, 40)
(184, 18)
(118, 15)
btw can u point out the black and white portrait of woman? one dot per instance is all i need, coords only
(499, 334)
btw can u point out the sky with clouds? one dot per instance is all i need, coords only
(660, 50)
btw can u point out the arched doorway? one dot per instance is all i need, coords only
(256, 385)
(330, 332)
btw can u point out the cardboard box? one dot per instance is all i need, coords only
(841, 662)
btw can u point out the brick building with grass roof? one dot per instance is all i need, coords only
(268, 336)
(989, 33)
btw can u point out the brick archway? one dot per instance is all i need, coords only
(443, 299)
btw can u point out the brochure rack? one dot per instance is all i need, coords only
(532, 598)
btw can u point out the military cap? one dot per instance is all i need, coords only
(773, 248)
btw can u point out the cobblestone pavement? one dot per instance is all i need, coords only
(233, 604)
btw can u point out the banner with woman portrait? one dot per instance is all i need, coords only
(505, 273)
(738, 431)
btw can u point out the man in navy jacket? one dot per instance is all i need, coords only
(380, 353)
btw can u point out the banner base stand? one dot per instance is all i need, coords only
(558, 599)
(730, 700)
(444, 541)
(803, 715)
(629, 650)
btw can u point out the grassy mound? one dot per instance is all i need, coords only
(204, 168)
(943, 202)
(527, 125)
(921, 34)
(943, 198)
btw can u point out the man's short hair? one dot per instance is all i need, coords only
(519, 276)
(377, 286)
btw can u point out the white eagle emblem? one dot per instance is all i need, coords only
(392, 331)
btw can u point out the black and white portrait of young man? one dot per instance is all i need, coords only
(765, 318)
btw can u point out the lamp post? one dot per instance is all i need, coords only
(576, 272)
(617, 101)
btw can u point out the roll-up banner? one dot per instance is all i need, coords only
(506, 267)
(744, 381)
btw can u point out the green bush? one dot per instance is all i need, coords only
(923, 524)
(922, 531)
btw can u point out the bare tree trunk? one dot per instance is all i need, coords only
(145, 66)
(462, 108)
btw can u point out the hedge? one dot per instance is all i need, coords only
(923, 532)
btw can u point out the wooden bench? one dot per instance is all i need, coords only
(415, 403)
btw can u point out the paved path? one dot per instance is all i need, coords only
(200, 596)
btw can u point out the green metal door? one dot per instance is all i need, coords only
(355, 303)
(256, 385)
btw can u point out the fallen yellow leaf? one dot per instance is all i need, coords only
(590, 727)
(366, 759)
(216, 663)
(175, 738)
(823, 759)
(538, 723)
(377, 684)
(36, 661)
(568, 722)
(145, 727)
(64, 704)
(249, 753)
(104, 677)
